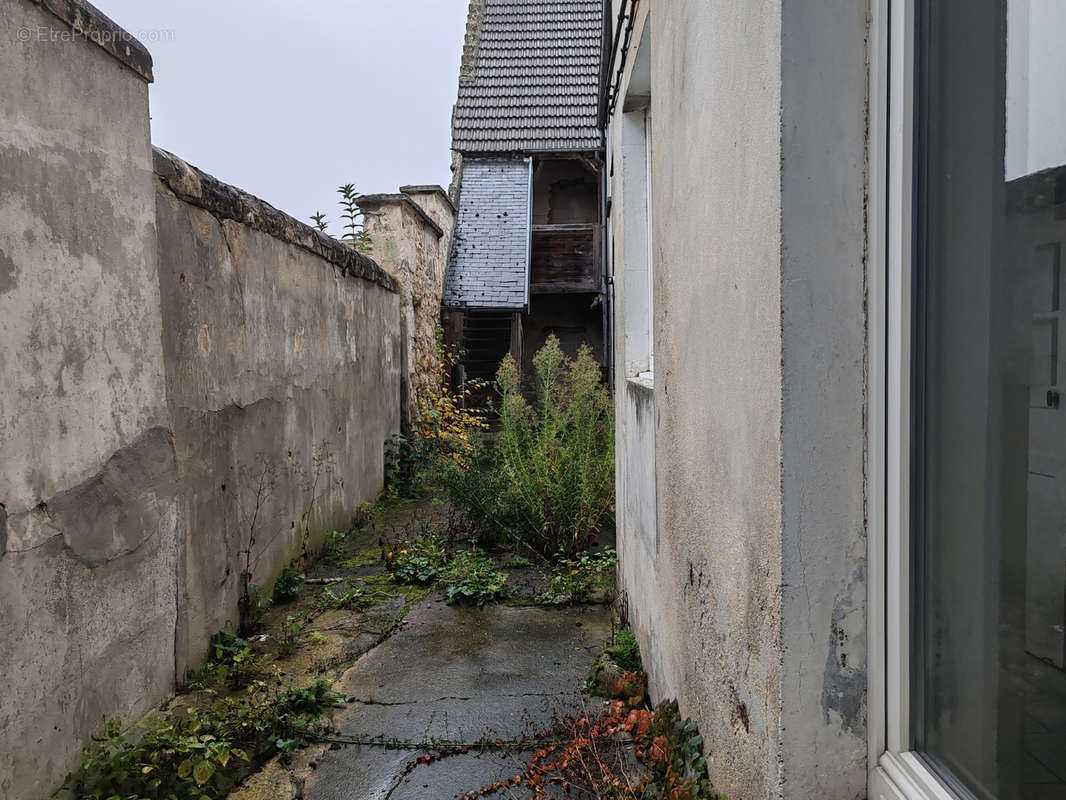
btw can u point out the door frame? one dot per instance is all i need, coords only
(895, 771)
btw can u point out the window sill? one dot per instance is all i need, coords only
(645, 380)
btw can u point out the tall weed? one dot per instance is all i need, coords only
(548, 479)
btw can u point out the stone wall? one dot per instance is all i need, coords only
(411, 234)
(153, 368)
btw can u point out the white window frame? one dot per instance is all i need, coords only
(638, 272)
(895, 771)
(649, 376)
(638, 251)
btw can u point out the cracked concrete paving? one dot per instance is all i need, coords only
(457, 674)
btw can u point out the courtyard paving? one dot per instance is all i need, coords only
(454, 677)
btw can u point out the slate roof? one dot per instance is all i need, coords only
(489, 265)
(532, 84)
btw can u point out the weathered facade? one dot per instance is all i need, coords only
(282, 355)
(88, 539)
(740, 379)
(527, 258)
(176, 355)
(835, 236)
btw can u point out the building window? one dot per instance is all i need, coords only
(987, 686)
(639, 318)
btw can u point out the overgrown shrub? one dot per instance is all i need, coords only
(482, 491)
(549, 477)
(444, 430)
(446, 423)
(405, 459)
(471, 578)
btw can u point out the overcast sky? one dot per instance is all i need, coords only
(288, 99)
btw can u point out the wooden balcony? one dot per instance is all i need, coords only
(565, 258)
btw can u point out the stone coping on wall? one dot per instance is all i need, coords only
(430, 188)
(228, 202)
(371, 200)
(88, 22)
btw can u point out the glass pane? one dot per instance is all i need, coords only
(989, 686)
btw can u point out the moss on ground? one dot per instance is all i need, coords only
(362, 559)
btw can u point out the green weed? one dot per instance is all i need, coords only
(290, 635)
(417, 562)
(232, 658)
(588, 577)
(471, 578)
(288, 585)
(351, 598)
(204, 754)
(333, 548)
(625, 652)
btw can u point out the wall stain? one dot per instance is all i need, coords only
(8, 273)
(844, 683)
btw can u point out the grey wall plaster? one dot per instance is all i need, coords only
(752, 609)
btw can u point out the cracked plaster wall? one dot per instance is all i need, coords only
(279, 365)
(150, 367)
(748, 598)
(87, 478)
(823, 393)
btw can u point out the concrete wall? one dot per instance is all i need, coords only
(87, 573)
(283, 372)
(823, 396)
(411, 234)
(751, 608)
(148, 369)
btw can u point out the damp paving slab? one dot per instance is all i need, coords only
(452, 675)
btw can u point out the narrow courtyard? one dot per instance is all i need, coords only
(529, 399)
(463, 637)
